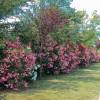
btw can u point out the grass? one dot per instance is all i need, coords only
(83, 84)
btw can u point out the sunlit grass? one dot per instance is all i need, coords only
(83, 84)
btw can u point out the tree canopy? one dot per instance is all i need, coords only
(6, 6)
(28, 27)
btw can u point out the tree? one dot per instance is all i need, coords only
(6, 6)
(88, 32)
(53, 8)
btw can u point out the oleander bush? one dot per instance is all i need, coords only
(19, 66)
(16, 66)
(54, 37)
(56, 59)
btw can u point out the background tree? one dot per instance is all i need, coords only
(7, 6)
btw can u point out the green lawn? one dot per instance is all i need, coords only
(83, 84)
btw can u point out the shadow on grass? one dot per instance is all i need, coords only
(2, 97)
(67, 82)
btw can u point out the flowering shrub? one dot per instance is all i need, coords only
(55, 59)
(17, 65)
(48, 57)
(95, 56)
(84, 55)
(69, 58)
(88, 55)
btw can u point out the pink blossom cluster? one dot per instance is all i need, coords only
(16, 66)
(69, 59)
(95, 56)
(50, 19)
(55, 59)
(85, 55)
(14, 44)
(88, 55)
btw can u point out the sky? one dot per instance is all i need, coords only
(88, 5)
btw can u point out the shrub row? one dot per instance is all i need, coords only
(18, 66)
(56, 59)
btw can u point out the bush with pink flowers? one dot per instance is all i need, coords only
(16, 66)
(88, 55)
(19, 66)
(56, 59)
(69, 58)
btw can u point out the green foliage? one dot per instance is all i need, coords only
(71, 30)
(28, 32)
(2, 47)
(59, 3)
(60, 36)
(88, 37)
(28, 28)
(6, 6)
